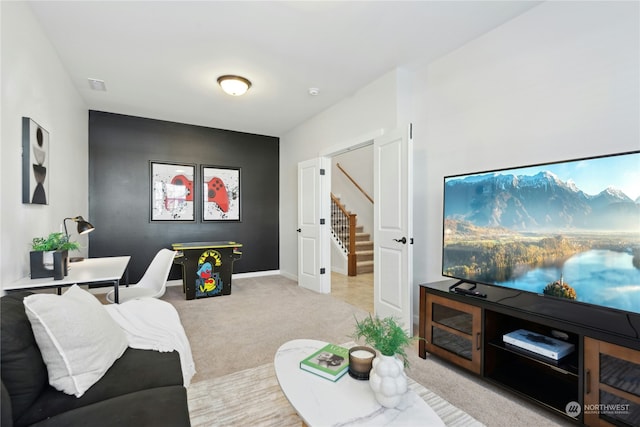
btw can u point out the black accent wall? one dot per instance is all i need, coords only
(120, 148)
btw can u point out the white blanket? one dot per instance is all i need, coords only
(152, 324)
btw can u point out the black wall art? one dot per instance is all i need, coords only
(35, 163)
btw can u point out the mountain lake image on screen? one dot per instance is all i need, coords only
(568, 229)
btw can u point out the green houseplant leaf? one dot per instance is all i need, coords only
(386, 335)
(53, 242)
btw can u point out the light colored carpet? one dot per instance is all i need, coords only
(244, 330)
(252, 397)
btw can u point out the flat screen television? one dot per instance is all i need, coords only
(568, 229)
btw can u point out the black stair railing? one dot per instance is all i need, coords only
(343, 225)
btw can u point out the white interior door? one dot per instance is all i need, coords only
(393, 226)
(314, 256)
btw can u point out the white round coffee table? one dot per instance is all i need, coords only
(321, 402)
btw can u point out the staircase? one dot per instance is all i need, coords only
(352, 239)
(364, 251)
(356, 243)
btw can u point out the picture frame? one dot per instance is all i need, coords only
(35, 163)
(221, 193)
(172, 191)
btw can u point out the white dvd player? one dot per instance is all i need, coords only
(540, 344)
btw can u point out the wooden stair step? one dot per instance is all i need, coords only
(363, 237)
(364, 267)
(364, 256)
(364, 246)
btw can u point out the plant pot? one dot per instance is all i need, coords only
(388, 380)
(60, 264)
(49, 264)
(37, 265)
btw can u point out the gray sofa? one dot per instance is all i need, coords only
(142, 388)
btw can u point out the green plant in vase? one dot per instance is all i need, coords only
(45, 251)
(387, 377)
(53, 242)
(386, 335)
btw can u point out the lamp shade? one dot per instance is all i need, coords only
(84, 227)
(234, 85)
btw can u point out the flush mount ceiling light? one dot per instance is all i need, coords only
(234, 85)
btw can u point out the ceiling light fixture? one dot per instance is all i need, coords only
(234, 85)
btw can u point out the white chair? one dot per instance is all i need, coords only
(154, 282)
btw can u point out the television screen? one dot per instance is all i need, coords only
(569, 229)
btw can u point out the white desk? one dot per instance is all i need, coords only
(346, 402)
(90, 270)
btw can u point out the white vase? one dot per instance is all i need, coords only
(388, 380)
(47, 259)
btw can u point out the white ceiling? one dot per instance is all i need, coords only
(161, 59)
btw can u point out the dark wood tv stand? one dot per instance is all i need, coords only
(598, 384)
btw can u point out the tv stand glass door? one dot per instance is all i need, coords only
(612, 384)
(452, 331)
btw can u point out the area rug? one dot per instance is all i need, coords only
(253, 397)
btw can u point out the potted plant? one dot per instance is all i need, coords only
(385, 335)
(54, 242)
(49, 255)
(387, 378)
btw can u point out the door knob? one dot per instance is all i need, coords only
(403, 240)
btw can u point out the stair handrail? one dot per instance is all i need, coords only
(350, 238)
(354, 182)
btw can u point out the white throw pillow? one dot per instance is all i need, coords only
(78, 339)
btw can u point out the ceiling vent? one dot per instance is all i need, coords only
(97, 84)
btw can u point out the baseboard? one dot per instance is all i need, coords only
(289, 276)
(175, 282)
(178, 282)
(256, 274)
(339, 270)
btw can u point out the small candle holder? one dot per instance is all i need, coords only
(360, 362)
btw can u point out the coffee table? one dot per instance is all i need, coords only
(321, 402)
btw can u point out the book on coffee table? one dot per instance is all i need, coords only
(330, 362)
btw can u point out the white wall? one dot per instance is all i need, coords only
(556, 83)
(34, 84)
(372, 108)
